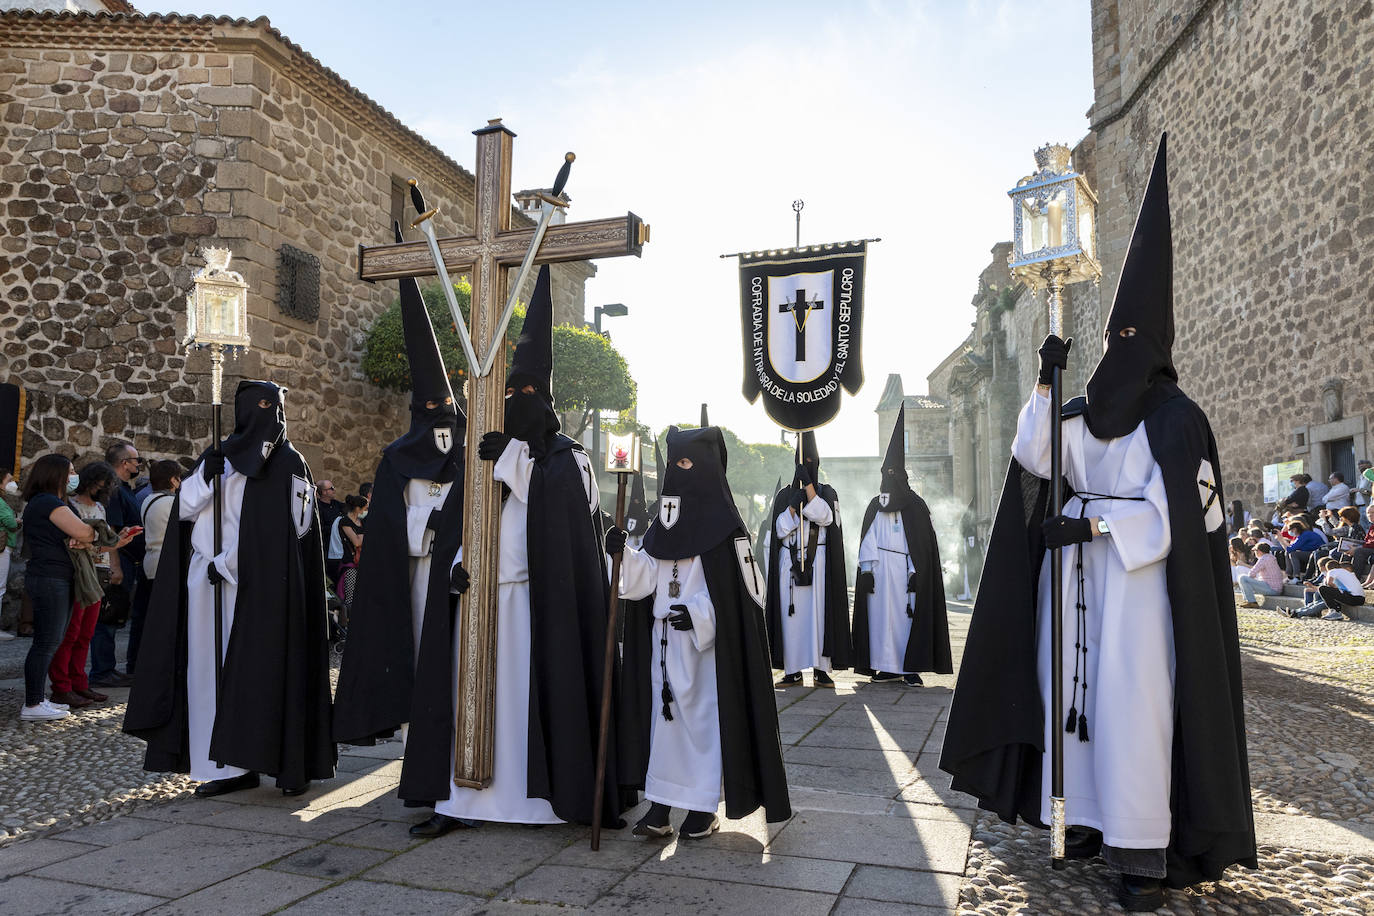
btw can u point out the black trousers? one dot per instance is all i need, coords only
(1335, 598)
(1363, 559)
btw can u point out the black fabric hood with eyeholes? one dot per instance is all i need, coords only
(432, 449)
(530, 416)
(894, 482)
(697, 500)
(1136, 373)
(258, 431)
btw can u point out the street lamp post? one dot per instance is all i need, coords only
(1054, 218)
(613, 310)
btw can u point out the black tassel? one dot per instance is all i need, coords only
(791, 609)
(1083, 728)
(667, 701)
(1073, 715)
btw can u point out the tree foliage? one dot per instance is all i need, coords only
(589, 373)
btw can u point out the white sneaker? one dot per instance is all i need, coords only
(44, 711)
(1334, 615)
(6, 636)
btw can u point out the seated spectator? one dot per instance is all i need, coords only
(1264, 578)
(1340, 590)
(1296, 501)
(1362, 560)
(1312, 604)
(1316, 492)
(1304, 542)
(1241, 559)
(1364, 479)
(1338, 495)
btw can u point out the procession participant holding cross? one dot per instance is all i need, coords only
(1157, 780)
(272, 711)
(697, 705)
(808, 588)
(398, 661)
(486, 257)
(551, 613)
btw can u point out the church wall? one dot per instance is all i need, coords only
(1271, 160)
(129, 146)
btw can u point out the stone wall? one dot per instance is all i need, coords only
(133, 141)
(1269, 107)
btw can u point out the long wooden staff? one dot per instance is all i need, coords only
(1057, 814)
(608, 671)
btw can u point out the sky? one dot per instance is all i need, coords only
(905, 121)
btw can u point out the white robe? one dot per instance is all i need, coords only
(506, 799)
(883, 552)
(198, 506)
(1119, 781)
(684, 754)
(421, 500)
(803, 633)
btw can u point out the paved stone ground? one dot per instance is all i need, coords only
(87, 831)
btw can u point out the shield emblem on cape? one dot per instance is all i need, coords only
(669, 510)
(443, 438)
(631, 524)
(302, 505)
(267, 448)
(884, 499)
(749, 570)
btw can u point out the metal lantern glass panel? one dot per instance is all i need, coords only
(622, 454)
(217, 308)
(1054, 216)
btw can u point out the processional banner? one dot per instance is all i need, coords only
(802, 311)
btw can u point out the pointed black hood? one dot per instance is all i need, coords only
(809, 455)
(696, 510)
(432, 448)
(894, 483)
(1136, 373)
(530, 416)
(637, 512)
(259, 426)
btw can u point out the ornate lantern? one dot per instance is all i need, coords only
(1054, 217)
(622, 454)
(217, 308)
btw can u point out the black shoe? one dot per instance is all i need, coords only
(225, 786)
(297, 791)
(821, 679)
(1082, 843)
(699, 825)
(884, 677)
(440, 824)
(113, 679)
(655, 822)
(913, 680)
(1139, 894)
(789, 680)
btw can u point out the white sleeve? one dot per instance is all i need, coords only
(638, 574)
(786, 524)
(514, 468)
(868, 547)
(1031, 447)
(195, 494)
(819, 511)
(419, 537)
(1140, 531)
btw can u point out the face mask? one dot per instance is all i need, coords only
(12, 488)
(72, 482)
(362, 514)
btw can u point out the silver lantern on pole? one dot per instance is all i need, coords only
(217, 319)
(1054, 242)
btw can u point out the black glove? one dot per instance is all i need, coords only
(804, 477)
(911, 583)
(433, 523)
(615, 540)
(493, 444)
(1053, 352)
(459, 580)
(213, 465)
(213, 573)
(681, 620)
(863, 582)
(1061, 531)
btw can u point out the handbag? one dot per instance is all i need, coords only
(114, 606)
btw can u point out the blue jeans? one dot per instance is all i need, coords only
(1250, 586)
(102, 651)
(52, 611)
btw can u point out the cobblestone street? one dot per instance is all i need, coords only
(86, 830)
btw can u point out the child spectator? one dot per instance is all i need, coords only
(1341, 589)
(1312, 604)
(1264, 578)
(1241, 560)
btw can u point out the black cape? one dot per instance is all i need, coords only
(274, 708)
(381, 682)
(838, 643)
(927, 648)
(751, 751)
(995, 739)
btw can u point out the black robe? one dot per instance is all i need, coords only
(274, 707)
(382, 684)
(838, 643)
(927, 648)
(994, 743)
(751, 751)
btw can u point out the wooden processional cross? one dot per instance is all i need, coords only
(486, 257)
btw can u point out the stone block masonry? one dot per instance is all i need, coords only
(128, 143)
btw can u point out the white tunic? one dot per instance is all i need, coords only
(198, 506)
(422, 498)
(883, 552)
(506, 799)
(1119, 781)
(803, 633)
(684, 754)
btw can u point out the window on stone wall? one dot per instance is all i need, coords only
(298, 284)
(400, 198)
